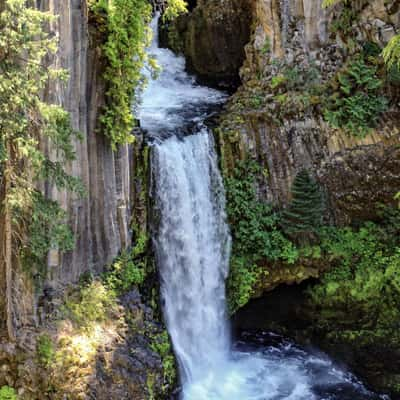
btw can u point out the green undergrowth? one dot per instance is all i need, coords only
(97, 298)
(255, 233)
(8, 393)
(363, 261)
(122, 28)
(363, 285)
(161, 344)
(358, 101)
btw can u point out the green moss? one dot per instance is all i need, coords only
(129, 269)
(92, 304)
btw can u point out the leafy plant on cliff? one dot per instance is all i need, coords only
(92, 304)
(358, 104)
(303, 216)
(174, 8)
(161, 344)
(33, 223)
(129, 269)
(8, 393)
(255, 233)
(126, 36)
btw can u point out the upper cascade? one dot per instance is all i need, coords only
(173, 102)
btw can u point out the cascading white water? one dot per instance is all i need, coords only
(192, 251)
(192, 246)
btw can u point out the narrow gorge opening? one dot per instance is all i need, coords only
(192, 245)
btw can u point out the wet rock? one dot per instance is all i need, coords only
(212, 37)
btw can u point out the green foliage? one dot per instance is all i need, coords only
(45, 351)
(125, 23)
(343, 23)
(391, 53)
(161, 344)
(358, 104)
(241, 282)
(174, 8)
(255, 233)
(254, 224)
(303, 216)
(8, 393)
(129, 268)
(26, 121)
(94, 303)
(364, 282)
(47, 230)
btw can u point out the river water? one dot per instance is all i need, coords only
(192, 244)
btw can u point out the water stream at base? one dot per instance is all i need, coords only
(193, 246)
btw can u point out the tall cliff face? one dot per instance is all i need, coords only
(100, 220)
(292, 62)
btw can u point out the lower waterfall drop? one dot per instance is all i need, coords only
(192, 245)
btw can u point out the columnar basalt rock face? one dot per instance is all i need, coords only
(99, 220)
(297, 34)
(213, 37)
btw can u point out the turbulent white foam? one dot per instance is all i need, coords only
(193, 245)
(173, 98)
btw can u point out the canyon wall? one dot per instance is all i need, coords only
(285, 135)
(100, 220)
(282, 127)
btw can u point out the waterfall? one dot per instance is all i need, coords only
(192, 251)
(192, 244)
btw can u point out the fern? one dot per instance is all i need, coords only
(391, 53)
(358, 104)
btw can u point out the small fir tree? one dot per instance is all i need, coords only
(304, 214)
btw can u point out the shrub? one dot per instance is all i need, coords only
(364, 281)
(125, 24)
(241, 281)
(129, 268)
(93, 303)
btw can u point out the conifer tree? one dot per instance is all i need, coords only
(304, 214)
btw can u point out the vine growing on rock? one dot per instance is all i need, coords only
(126, 34)
(33, 224)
